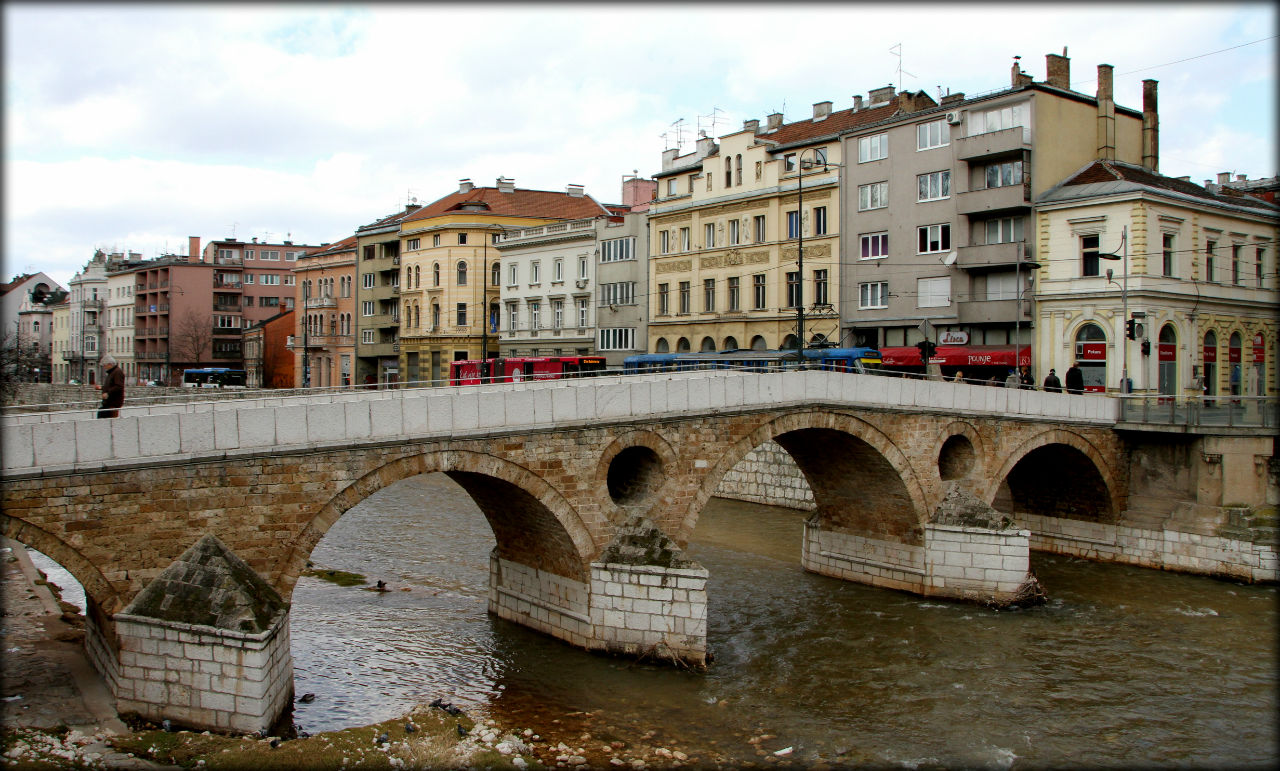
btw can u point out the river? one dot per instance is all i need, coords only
(1123, 666)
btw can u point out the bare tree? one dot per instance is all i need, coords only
(191, 337)
(18, 364)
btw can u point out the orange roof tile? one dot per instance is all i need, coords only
(845, 120)
(517, 203)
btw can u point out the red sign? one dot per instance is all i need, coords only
(1259, 349)
(1233, 355)
(957, 356)
(1210, 354)
(1093, 351)
(1168, 352)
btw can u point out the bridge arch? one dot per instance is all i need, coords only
(862, 482)
(634, 468)
(960, 451)
(532, 522)
(97, 589)
(1057, 473)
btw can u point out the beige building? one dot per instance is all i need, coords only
(378, 298)
(324, 333)
(451, 282)
(1196, 270)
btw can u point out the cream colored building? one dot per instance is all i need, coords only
(1196, 269)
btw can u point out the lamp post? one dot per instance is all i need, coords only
(800, 339)
(1017, 316)
(1123, 257)
(306, 322)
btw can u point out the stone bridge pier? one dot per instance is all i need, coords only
(189, 563)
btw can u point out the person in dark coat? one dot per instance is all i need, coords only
(1052, 383)
(112, 388)
(1075, 380)
(1026, 380)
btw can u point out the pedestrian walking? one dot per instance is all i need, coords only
(1052, 383)
(1075, 380)
(112, 387)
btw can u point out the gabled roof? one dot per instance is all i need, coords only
(836, 122)
(490, 201)
(345, 245)
(1101, 177)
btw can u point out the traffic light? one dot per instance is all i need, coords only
(926, 348)
(1146, 347)
(1131, 329)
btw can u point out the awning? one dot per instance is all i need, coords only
(957, 356)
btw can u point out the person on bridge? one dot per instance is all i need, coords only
(1075, 380)
(1026, 380)
(112, 388)
(1052, 383)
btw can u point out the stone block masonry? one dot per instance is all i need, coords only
(768, 476)
(650, 611)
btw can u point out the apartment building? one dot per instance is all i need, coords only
(378, 298)
(269, 359)
(575, 288)
(450, 284)
(26, 305)
(1192, 271)
(86, 322)
(938, 201)
(253, 281)
(324, 333)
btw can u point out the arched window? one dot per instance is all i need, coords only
(495, 274)
(731, 343)
(462, 273)
(1091, 357)
(738, 171)
(707, 345)
(1167, 361)
(435, 315)
(682, 345)
(789, 343)
(435, 274)
(662, 346)
(1235, 363)
(728, 172)
(758, 343)
(417, 277)
(1210, 353)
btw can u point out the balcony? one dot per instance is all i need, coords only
(992, 200)
(328, 301)
(990, 311)
(227, 283)
(992, 144)
(989, 257)
(227, 331)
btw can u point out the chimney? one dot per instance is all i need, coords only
(506, 185)
(774, 122)
(575, 191)
(857, 102)
(1016, 76)
(465, 186)
(1150, 128)
(1184, 179)
(1224, 177)
(669, 157)
(955, 98)
(880, 95)
(821, 110)
(1058, 70)
(1242, 177)
(705, 146)
(1106, 115)
(752, 125)
(193, 247)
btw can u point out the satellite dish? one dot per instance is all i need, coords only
(950, 259)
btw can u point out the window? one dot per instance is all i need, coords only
(462, 314)
(270, 279)
(366, 308)
(759, 224)
(1089, 260)
(1258, 270)
(1002, 286)
(934, 186)
(873, 295)
(248, 301)
(734, 238)
(708, 235)
(873, 246)
(248, 254)
(290, 256)
(581, 302)
(933, 292)
(684, 298)
(1167, 242)
(664, 242)
(268, 302)
(819, 220)
(368, 252)
(435, 275)
(873, 196)
(793, 224)
(366, 281)
(613, 250)
(1235, 263)
(738, 170)
(934, 238)
(535, 313)
(435, 316)
(734, 303)
(366, 337)
(708, 295)
(933, 134)
(272, 255)
(793, 289)
(413, 244)
(692, 177)
(1004, 174)
(435, 240)
(1004, 230)
(664, 300)
(820, 296)
(671, 186)
(789, 162)
(222, 322)
(728, 172)
(1210, 248)
(620, 293)
(873, 148)
(617, 339)
(462, 273)
(513, 316)
(582, 267)
(997, 119)
(557, 270)
(759, 292)
(249, 277)
(557, 314)
(684, 239)
(535, 272)
(462, 239)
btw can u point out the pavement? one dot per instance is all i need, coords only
(47, 682)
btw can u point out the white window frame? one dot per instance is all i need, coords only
(873, 294)
(876, 241)
(367, 281)
(874, 195)
(366, 337)
(933, 186)
(613, 250)
(873, 148)
(583, 318)
(932, 135)
(933, 292)
(617, 339)
(938, 234)
(366, 308)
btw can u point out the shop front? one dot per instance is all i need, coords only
(970, 362)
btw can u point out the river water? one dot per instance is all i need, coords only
(1123, 666)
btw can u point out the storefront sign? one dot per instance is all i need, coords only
(1210, 354)
(1093, 351)
(1259, 349)
(954, 337)
(1168, 352)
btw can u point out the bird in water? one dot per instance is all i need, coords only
(307, 698)
(382, 585)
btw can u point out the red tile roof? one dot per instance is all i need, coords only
(517, 203)
(845, 120)
(345, 245)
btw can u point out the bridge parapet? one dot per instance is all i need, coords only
(72, 442)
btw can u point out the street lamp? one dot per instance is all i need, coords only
(800, 339)
(306, 322)
(1123, 257)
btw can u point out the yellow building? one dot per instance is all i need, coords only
(450, 270)
(1194, 268)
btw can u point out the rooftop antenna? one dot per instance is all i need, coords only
(897, 51)
(712, 120)
(233, 229)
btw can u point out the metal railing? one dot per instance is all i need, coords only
(1205, 411)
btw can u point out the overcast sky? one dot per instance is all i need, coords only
(131, 127)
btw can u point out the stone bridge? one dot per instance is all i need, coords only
(189, 525)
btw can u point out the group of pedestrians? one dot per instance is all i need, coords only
(1075, 381)
(1021, 378)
